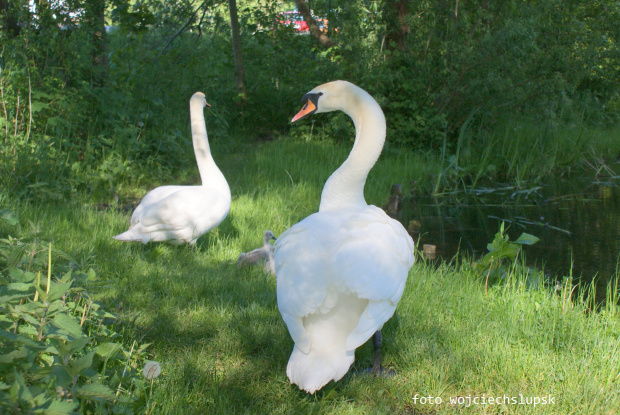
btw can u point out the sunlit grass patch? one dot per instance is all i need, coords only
(223, 348)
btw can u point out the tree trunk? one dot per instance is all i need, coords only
(237, 51)
(99, 46)
(9, 18)
(321, 37)
(398, 27)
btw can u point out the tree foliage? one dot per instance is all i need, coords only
(92, 109)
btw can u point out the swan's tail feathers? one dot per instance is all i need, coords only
(132, 236)
(311, 371)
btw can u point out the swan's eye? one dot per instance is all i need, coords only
(320, 93)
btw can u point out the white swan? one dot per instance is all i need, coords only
(341, 272)
(181, 214)
(262, 255)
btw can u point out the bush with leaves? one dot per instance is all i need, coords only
(59, 351)
(502, 259)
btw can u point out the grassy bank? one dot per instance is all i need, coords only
(223, 347)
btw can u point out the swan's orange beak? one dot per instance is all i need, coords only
(208, 105)
(307, 109)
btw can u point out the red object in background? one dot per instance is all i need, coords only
(299, 24)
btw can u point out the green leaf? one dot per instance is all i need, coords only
(41, 373)
(18, 338)
(95, 390)
(510, 251)
(16, 255)
(5, 299)
(58, 290)
(63, 378)
(67, 323)
(18, 275)
(19, 286)
(42, 293)
(30, 319)
(19, 391)
(37, 106)
(9, 217)
(108, 350)
(58, 407)
(81, 364)
(15, 354)
(527, 239)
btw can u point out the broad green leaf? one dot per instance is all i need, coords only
(67, 323)
(67, 276)
(41, 372)
(15, 354)
(20, 391)
(18, 275)
(18, 338)
(108, 350)
(37, 106)
(80, 364)
(527, 239)
(510, 250)
(58, 407)
(15, 256)
(30, 319)
(29, 330)
(92, 275)
(42, 293)
(58, 290)
(10, 298)
(9, 217)
(77, 344)
(19, 286)
(95, 390)
(143, 347)
(63, 378)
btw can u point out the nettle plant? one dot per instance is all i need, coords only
(59, 351)
(501, 262)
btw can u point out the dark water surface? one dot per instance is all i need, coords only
(577, 221)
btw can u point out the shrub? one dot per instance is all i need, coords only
(59, 350)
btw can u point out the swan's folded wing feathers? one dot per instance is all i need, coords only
(182, 209)
(151, 198)
(380, 274)
(369, 254)
(301, 278)
(296, 330)
(371, 320)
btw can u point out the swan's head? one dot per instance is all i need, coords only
(269, 235)
(200, 98)
(332, 96)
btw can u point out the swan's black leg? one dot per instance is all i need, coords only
(377, 369)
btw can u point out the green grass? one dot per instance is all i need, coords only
(223, 347)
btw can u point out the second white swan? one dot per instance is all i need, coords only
(181, 214)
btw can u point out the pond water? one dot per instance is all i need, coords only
(577, 221)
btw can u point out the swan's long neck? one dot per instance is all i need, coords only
(210, 174)
(345, 187)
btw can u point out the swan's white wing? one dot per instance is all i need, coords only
(302, 275)
(373, 259)
(151, 198)
(364, 252)
(373, 255)
(192, 210)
